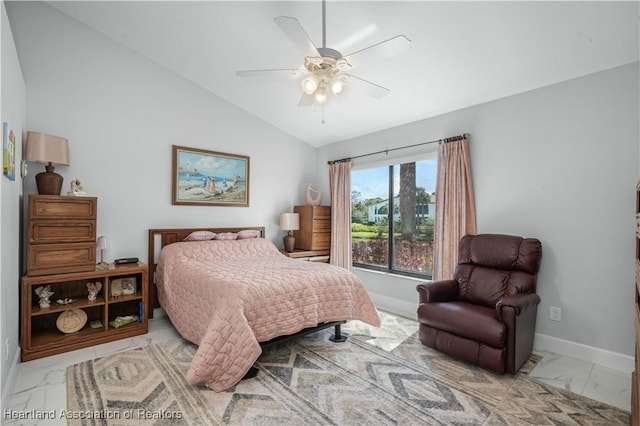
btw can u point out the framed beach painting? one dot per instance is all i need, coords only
(209, 178)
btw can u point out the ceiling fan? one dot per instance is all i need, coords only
(326, 69)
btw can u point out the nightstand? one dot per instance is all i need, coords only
(308, 255)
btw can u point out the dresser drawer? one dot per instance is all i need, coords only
(59, 207)
(47, 259)
(321, 212)
(61, 231)
(321, 225)
(320, 241)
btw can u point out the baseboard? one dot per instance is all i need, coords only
(603, 357)
(159, 313)
(542, 342)
(7, 390)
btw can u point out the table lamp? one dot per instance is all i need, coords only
(289, 222)
(49, 150)
(102, 244)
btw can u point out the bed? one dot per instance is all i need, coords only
(231, 297)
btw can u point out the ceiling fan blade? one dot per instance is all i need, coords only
(305, 100)
(384, 49)
(298, 36)
(372, 89)
(293, 72)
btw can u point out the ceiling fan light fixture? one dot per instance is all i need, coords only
(310, 84)
(321, 94)
(326, 68)
(337, 84)
(336, 87)
(343, 65)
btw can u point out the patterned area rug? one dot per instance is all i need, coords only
(311, 380)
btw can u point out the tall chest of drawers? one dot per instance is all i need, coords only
(61, 234)
(315, 227)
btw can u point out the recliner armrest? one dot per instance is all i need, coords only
(438, 291)
(518, 302)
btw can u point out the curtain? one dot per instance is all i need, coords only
(340, 183)
(455, 206)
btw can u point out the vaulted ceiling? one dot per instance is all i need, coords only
(462, 53)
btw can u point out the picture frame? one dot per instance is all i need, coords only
(8, 152)
(123, 287)
(209, 178)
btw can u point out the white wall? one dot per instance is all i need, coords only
(560, 164)
(122, 113)
(12, 111)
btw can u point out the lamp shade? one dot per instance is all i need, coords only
(102, 243)
(43, 148)
(290, 221)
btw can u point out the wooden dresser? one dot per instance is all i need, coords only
(635, 384)
(315, 228)
(61, 234)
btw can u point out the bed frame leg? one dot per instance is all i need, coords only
(253, 372)
(338, 336)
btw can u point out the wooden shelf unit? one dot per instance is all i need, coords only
(39, 335)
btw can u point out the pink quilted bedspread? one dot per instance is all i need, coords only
(226, 296)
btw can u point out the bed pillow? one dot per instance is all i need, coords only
(227, 236)
(248, 233)
(200, 236)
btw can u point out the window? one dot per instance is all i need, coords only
(392, 217)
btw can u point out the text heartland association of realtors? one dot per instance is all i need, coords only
(138, 414)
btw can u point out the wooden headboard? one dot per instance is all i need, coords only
(159, 238)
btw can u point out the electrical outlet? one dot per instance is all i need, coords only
(555, 313)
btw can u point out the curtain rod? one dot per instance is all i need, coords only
(386, 151)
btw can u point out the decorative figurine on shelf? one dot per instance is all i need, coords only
(44, 293)
(94, 289)
(76, 188)
(314, 196)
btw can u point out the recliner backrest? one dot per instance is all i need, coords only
(491, 266)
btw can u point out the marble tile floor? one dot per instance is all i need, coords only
(40, 384)
(593, 381)
(584, 378)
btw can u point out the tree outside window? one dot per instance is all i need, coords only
(392, 217)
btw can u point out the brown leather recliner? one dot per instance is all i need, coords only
(485, 315)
